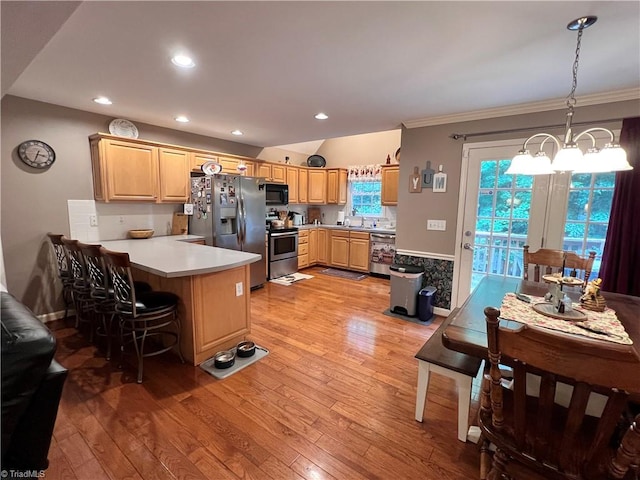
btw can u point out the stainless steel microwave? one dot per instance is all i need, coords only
(277, 194)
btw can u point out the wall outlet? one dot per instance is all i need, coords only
(437, 225)
(239, 289)
(93, 220)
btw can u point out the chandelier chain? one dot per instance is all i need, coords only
(571, 99)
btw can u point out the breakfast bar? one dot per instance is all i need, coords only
(212, 283)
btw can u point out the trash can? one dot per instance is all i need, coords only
(425, 304)
(406, 281)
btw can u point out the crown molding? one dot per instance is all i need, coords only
(524, 108)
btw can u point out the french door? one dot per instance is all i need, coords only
(501, 213)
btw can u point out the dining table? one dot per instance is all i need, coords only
(467, 333)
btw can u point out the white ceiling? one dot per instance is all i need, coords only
(267, 67)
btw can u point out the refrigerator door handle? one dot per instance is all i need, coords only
(242, 216)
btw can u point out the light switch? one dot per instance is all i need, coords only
(239, 289)
(440, 225)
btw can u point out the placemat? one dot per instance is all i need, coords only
(607, 321)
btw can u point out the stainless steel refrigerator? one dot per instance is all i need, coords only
(229, 211)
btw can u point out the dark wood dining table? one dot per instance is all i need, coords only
(467, 331)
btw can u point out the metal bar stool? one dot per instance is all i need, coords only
(143, 316)
(80, 289)
(62, 262)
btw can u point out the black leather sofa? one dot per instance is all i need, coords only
(32, 384)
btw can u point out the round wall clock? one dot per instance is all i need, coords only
(36, 154)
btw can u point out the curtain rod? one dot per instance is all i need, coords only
(464, 136)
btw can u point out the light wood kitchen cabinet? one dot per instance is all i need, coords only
(313, 246)
(323, 246)
(174, 175)
(349, 250)
(124, 170)
(199, 158)
(272, 172)
(337, 186)
(339, 248)
(390, 179)
(359, 251)
(317, 186)
(292, 182)
(229, 165)
(303, 185)
(303, 249)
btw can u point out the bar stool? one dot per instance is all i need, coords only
(80, 288)
(62, 261)
(101, 292)
(144, 315)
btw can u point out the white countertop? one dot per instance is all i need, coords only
(174, 256)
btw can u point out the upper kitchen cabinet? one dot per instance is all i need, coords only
(303, 185)
(317, 186)
(272, 172)
(390, 178)
(337, 186)
(199, 158)
(124, 169)
(292, 181)
(173, 175)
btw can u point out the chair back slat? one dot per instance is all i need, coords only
(553, 261)
(119, 268)
(540, 429)
(96, 269)
(76, 261)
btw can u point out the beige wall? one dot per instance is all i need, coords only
(433, 144)
(35, 202)
(366, 149)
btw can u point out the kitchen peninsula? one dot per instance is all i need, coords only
(212, 283)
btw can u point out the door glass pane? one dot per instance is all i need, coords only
(504, 203)
(588, 210)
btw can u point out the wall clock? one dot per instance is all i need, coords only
(36, 154)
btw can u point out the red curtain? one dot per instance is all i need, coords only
(620, 269)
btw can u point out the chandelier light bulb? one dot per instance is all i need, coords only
(567, 159)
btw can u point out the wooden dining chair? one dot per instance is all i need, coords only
(62, 263)
(531, 430)
(553, 260)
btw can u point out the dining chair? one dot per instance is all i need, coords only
(554, 260)
(62, 263)
(532, 431)
(143, 316)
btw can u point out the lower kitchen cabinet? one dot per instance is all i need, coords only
(350, 250)
(323, 246)
(313, 246)
(303, 249)
(339, 248)
(359, 251)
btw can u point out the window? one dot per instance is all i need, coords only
(588, 209)
(365, 198)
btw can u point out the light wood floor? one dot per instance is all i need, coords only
(334, 399)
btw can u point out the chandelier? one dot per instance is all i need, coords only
(569, 158)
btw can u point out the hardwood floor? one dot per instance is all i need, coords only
(334, 399)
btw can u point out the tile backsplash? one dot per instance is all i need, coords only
(116, 219)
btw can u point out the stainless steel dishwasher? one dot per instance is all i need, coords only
(383, 249)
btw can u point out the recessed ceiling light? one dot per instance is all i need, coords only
(102, 101)
(237, 132)
(183, 61)
(321, 116)
(182, 119)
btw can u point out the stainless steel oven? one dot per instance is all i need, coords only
(283, 252)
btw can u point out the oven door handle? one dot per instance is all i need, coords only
(377, 235)
(283, 234)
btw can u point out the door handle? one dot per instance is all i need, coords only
(468, 246)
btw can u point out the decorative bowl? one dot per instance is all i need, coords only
(140, 234)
